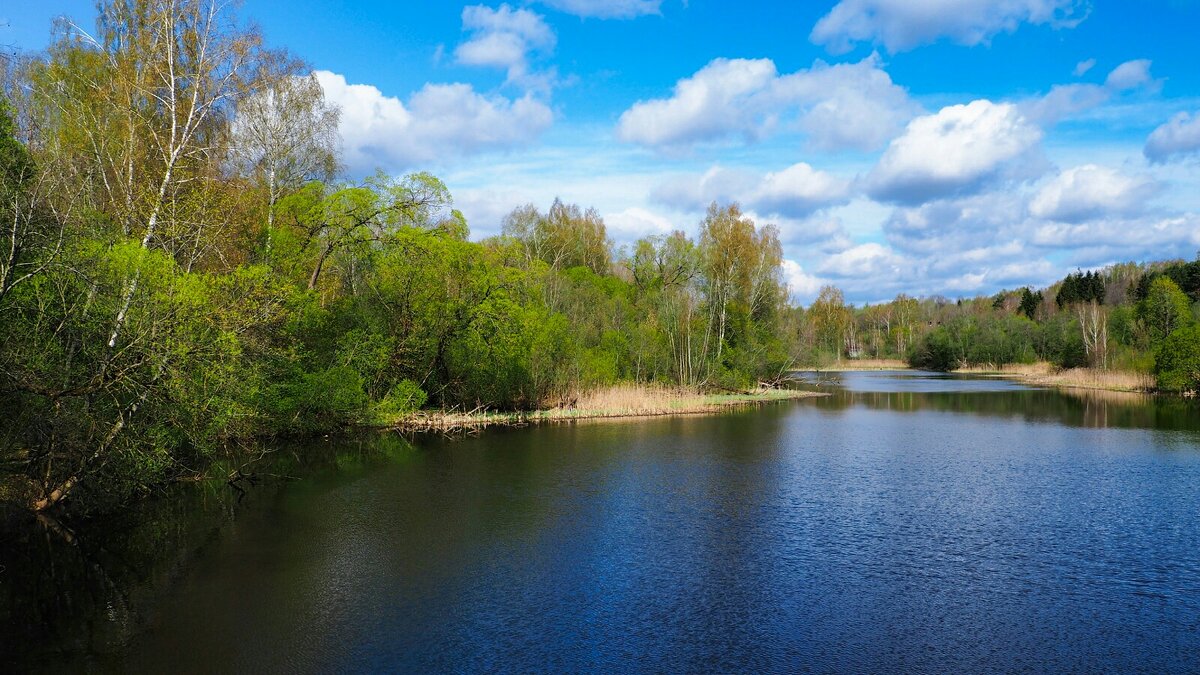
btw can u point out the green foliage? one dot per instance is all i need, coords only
(1164, 309)
(318, 401)
(1030, 302)
(403, 399)
(937, 351)
(1080, 287)
(1177, 360)
(16, 164)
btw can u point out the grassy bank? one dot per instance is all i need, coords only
(611, 402)
(1045, 374)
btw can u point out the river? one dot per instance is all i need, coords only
(907, 522)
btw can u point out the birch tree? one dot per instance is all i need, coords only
(285, 134)
(140, 107)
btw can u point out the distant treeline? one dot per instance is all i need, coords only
(1135, 317)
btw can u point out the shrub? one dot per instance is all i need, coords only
(1177, 360)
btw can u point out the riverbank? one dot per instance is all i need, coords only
(1045, 374)
(612, 402)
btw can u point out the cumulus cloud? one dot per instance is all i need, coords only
(1130, 75)
(1166, 235)
(795, 192)
(634, 223)
(941, 226)
(802, 286)
(799, 190)
(695, 193)
(957, 150)
(864, 260)
(439, 122)
(606, 9)
(1083, 67)
(900, 25)
(1088, 215)
(1065, 100)
(1090, 191)
(504, 38)
(826, 234)
(1037, 272)
(874, 271)
(850, 105)
(1178, 137)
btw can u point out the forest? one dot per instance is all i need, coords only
(186, 270)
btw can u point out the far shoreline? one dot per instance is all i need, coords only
(1039, 374)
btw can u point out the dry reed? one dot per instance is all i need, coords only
(1043, 373)
(1094, 378)
(862, 364)
(607, 402)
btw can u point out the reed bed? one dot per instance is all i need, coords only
(849, 365)
(1039, 369)
(1080, 378)
(1094, 378)
(607, 402)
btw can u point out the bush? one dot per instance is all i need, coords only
(319, 401)
(1177, 360)
(403, 399)
(936, 351)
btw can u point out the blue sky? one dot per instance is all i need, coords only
(949, 147)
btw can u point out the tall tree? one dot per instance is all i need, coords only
(285, 134)
(1164, 308)
(831, 318)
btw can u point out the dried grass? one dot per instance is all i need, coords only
(1038, 369)
(608, 402)
(1094, 378)
(863, 364)
(1045, 374)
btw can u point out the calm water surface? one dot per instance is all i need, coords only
(907, 522)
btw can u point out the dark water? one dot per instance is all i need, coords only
(907, 523)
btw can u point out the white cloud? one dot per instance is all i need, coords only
(1179, 136)
(1091, 191)
(936, 227)
(798, 191)
(1130, 75)
(795, 192)
(851, 105)
(634, 223)
(900, 25)
(606, 9)
(828, 233)
(695, 193)
(440, 122)
(1063, 101)
(504, 38)
(1146, 237)
(957, 150)
(987, 278)
(801, 285)
(1083, 67)
(864, 260)
(1066, 100)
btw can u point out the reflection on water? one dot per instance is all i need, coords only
(906, 522)
(913, 391)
